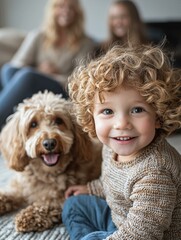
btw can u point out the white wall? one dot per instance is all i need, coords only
(150, 10)
(28, 14)
(22, 14)
(159, 10)
(96, 17)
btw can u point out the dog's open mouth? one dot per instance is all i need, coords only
(50, 159)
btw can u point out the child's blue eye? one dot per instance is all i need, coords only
(107, 111)
(137, 110)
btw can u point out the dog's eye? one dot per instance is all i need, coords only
(59, 121)
(33, 124)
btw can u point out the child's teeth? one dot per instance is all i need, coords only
(123, 138)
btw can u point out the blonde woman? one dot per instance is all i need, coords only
(47, 56)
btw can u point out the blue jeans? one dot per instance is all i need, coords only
(20, 83)
(87, 218)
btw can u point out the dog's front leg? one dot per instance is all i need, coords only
(38, 217)
(10, 202)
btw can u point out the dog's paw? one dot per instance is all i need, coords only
(37, 218)
(8, 203)
(5, 206)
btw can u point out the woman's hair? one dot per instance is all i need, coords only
(137, 30)
(144, 68)
(52, 29)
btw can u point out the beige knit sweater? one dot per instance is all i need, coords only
(144, 195)
(32, 53)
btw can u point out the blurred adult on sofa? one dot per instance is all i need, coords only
(47, 56)
(125, 25)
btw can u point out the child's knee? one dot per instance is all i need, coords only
(68, 204)
(72, 205)
(67, 207)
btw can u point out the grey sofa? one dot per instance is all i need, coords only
(10, 41)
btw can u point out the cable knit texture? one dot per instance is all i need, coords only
(145, 194)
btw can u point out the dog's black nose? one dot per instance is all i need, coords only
(49, 144)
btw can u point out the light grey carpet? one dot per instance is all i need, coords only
(7, 230)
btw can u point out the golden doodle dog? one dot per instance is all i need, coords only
(49, 152)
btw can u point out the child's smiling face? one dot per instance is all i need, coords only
(125, 122)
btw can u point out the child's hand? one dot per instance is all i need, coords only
(76, 190)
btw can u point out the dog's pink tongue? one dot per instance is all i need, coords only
(50, 159)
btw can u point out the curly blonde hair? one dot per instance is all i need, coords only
(52, 30)
(145, 68)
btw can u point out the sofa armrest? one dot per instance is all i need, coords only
(10, 41)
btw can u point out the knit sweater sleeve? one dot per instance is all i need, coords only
(153, 197)
(95, 187)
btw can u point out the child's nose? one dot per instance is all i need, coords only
(122, 122)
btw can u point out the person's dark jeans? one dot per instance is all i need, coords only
(87, 218)
(19, 84)
(1, 87)
(7, 73)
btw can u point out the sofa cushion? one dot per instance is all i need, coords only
(10, 41)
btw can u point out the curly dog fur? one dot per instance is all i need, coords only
(49, 152)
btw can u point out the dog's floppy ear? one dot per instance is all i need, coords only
(87, 155)
(11, 143)
(82, 147)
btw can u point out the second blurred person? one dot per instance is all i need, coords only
(125, 26)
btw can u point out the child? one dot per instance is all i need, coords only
(130, 99)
